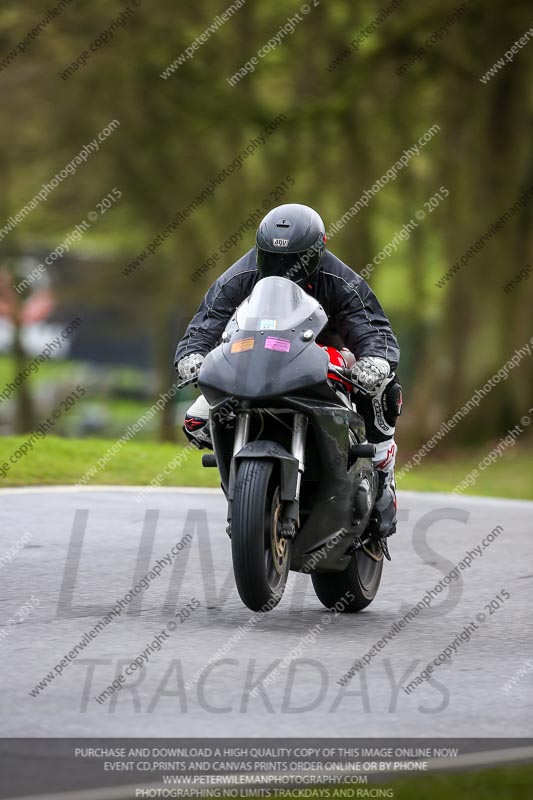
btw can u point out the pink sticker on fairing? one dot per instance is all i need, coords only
(273, 343)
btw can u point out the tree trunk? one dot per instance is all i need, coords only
(24, 406)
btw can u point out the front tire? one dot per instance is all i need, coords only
(352, 590)
(261, 559)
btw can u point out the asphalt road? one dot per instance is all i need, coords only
(86, 549)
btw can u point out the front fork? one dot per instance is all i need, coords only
(242, 431)
(291, 514)
(299, 432)
(291, 509)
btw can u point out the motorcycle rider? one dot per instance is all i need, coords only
(290, 243)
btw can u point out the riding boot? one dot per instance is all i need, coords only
(383, 521)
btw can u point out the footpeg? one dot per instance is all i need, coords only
(362, 451)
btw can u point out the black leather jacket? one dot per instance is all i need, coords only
(355, 317)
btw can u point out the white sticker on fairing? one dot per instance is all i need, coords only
(268, 324)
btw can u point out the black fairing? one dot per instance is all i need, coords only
(259, 374)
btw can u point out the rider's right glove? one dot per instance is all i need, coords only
(189, 366)
(371, 372)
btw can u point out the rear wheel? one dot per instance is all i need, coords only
(261, 558)
(353, 589)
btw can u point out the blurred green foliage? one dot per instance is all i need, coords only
(346, 123)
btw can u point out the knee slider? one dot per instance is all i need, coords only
(392, 402)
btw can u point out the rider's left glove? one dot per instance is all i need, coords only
(371, 372)
(189, 366)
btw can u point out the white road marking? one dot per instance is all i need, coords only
(475, 500)
(133, 489)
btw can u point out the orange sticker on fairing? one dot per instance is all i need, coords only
(242, 344)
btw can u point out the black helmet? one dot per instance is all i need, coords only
(290, 242)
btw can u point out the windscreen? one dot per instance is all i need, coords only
(276, 304)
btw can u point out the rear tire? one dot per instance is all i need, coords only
(261, 559)
(360, 581)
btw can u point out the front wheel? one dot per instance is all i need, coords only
(354, 588)
(261, 558)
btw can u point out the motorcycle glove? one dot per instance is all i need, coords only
(370, 372)
(189, 366)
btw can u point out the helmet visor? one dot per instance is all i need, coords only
(296, 267)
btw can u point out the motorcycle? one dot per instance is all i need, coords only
(292, 454)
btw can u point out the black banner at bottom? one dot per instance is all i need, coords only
(116, 769)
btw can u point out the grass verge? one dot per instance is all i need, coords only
(54, 460)
(504, 783)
